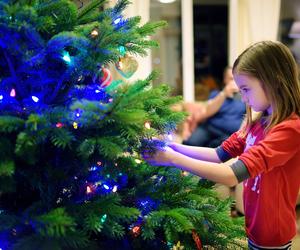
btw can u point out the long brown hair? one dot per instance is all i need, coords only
(274, 65)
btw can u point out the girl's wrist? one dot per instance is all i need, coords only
(175, 159)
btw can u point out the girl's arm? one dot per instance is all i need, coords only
(199, 153)
(220, 173)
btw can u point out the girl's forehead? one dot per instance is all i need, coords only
(245, 80)
(242, 77)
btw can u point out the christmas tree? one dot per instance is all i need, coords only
(71, 175)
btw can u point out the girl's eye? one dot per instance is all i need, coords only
(244, 90)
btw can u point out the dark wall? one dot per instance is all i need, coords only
(210, 40)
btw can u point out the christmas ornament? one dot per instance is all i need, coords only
(197, 240)
(105, 77)
(127, 66)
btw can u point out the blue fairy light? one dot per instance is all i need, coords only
(117, 20)
(34, 98)
(66, 57)
(1, 98)
(106, 187)
(119, 23)
(146, 205)
(93, 168)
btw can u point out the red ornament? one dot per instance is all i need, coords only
(105, 77)
(197, 240)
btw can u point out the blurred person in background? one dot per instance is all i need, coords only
(219, 118)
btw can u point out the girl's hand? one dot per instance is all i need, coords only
(174, 145)
(162, 157)
(230, 89)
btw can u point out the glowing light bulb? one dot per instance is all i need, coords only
(75, 125)
(1, 98)
(88, 190)
(34, 98)
(138, 161)
(117, 20)
(103, 218)
(106, 187)
(94, 33)
(147, 125)
(66, 57)
(13, 93)
(115, 188)
(59, 125)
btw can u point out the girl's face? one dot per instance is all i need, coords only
(252, 93)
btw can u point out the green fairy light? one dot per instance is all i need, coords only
(103, 218)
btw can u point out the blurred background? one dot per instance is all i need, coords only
(218, 31)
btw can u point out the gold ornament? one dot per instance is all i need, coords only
(127, 66)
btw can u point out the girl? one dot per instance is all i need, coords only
(267, 147)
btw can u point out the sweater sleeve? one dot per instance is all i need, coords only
(279, 146)
(231, 147)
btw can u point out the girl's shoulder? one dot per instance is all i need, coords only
(290, 123)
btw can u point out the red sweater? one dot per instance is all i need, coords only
(270, 194)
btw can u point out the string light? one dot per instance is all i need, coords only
(122, 50)
(1, 98)
(13, 93)
(75, 125)
(103, 218)
(138, 161)
(88, 190)
(34, 98)
(115, 188)
(94, 168)
(66, 57)
(59, 125)
(117, 20)
(94, 33)
(147, 125)
(136, 230)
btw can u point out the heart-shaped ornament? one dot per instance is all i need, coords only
(127, 66)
